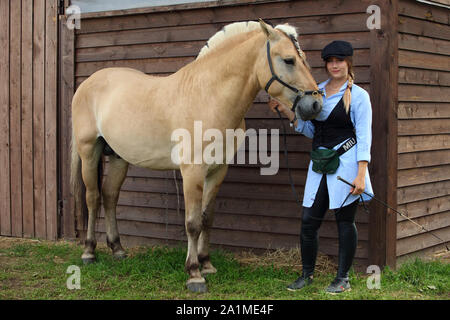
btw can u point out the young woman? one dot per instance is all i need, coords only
(345, 120)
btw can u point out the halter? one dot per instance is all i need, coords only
(300, 93)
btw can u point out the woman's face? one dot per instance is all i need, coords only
(337, 68)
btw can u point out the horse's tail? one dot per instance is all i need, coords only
(76, 181)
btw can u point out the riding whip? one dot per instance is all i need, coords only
(401, 214)
(348, 183)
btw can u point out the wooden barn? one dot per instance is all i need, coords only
(404, 63)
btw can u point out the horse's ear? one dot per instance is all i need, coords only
(268, 30)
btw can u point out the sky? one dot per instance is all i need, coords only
(107, 5)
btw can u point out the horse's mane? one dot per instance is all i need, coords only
(235, 28)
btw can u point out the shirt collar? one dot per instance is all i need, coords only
(323, 84)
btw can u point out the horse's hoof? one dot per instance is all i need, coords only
(197, 286)
(120, 256)
(88, 260)
(207, 271)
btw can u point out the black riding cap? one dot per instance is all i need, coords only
(339, 49)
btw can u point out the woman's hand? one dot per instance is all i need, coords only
(360, 181)
(274, 104)
(360, 185)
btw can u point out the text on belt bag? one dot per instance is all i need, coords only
(326, 161)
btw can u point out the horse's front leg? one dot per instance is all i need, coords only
(193, 180)
(212, 184)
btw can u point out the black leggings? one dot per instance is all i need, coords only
(311, 221)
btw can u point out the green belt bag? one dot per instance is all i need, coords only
(326, 161)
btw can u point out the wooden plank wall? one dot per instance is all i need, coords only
(423, 127)
(252, 210)
(28, 113)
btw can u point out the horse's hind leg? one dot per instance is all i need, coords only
(117, 171)
(212, 183)
(90, 154)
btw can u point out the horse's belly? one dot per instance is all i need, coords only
(148, 155)
(157, 163)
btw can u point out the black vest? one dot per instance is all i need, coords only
(337, 128)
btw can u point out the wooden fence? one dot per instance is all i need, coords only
(423, 127)
(28, 119)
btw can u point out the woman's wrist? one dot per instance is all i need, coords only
(293, 119)
(362, 167)
(291, 116)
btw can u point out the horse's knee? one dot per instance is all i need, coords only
(92, 198)
(194, 226)
(207, 218)
(110, 196)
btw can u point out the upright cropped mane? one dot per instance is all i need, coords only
(235, 28)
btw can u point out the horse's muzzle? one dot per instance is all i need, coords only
(308, 107)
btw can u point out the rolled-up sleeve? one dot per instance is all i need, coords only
(362, 120)
(305, 127)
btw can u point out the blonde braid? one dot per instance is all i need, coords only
(348, 93)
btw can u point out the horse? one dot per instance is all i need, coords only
(129, 115)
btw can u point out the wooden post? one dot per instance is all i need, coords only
(66, 89)
(383, 93)
(51, 112)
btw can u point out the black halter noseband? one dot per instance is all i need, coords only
(300, 93)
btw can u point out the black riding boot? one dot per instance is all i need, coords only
(309, 241)
(348, 240)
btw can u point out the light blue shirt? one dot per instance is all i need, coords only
(361, 117)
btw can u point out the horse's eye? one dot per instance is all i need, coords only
(290, 61)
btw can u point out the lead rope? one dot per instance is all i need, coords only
(183, 231)
(166, 182)
(342, 205)
(291, 181)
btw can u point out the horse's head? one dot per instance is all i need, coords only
(284, 73)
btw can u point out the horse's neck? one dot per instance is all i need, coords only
(231, 77)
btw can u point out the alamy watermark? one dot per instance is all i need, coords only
(211, 147)
(374, 20)
(73, 17)
(74, 280)
(374, 280)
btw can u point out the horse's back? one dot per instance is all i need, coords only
(105, 78)
(110, 84)
(127, 108)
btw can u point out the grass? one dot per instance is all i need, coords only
(37, 270)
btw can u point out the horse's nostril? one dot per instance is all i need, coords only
(316, 106)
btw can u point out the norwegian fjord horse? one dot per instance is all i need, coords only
(134, 114)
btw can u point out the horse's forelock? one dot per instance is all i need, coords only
(292, 34)
(288, 30)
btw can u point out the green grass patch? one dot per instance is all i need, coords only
(38, 270)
